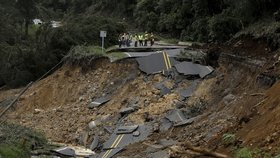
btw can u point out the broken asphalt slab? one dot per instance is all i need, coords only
(170, 52)
(178, 118)
(110, 153)
(94, 143)
(65, 151)
(165, 125)
(98, 102)
(126, 111)
(142, 49)
(121, 140)
(156, 63)
(163, 89)
(73, 152)
(189, 68)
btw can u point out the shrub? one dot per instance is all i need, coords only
(223, 27)
(17, 141)
(229, 139)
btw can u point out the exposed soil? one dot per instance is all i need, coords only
(232, 100)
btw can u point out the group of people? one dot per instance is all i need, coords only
(140, 40)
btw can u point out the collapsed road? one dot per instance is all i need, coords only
(162, 62)
(105, 108)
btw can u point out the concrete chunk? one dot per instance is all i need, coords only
(98, 102)
(189, 68)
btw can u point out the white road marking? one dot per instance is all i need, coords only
(128, 54)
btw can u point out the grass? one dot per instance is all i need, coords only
(11, 151)
(84, 52)
(116, 56)
(17, 141)
(243, 153)
(81, 53)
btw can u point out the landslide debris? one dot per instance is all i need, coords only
(230, 101)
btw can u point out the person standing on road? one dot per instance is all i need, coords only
(141, 40)
(135, 39)
(120, 40)
(128, 40)
(152, 39)
(123, 39)
(146, 38)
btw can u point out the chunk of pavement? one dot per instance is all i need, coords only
(81, 152)
(123, 140)
(127, 129)
(175, 116)
(98, 102)
(65, 151)
(178, 118)
(110, 153)
(94, 143)
(108, 129)
(165, 125)
(126, 111)
(189, 68)
(156, 63)
(184, 122)
(163, 89)
(159, 154)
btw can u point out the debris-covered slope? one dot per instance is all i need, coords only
(231, 101)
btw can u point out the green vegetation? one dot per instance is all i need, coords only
(28, 51)
(17, 141)
(80, 53)
(229, 139)
(243, 153)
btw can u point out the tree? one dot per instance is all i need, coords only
(28, 10)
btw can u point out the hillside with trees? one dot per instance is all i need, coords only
(204, 80)
(28, 51)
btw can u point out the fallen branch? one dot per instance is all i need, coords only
(204, 152)
(260, 103)
(257, 94)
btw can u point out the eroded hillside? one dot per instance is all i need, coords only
(235, 101)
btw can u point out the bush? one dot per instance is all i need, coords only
(17, 141)
(197, 31)
(223, 27)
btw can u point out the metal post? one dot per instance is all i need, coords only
(102, 45)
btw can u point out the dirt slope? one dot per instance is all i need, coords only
(232, 100)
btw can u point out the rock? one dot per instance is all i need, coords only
(81, 99)
(37, 111)
(126, 111)
(156, 127)
(229, 98)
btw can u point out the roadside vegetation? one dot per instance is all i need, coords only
(17, 141)
(28, 51)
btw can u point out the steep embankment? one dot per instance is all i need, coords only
(233, 100)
